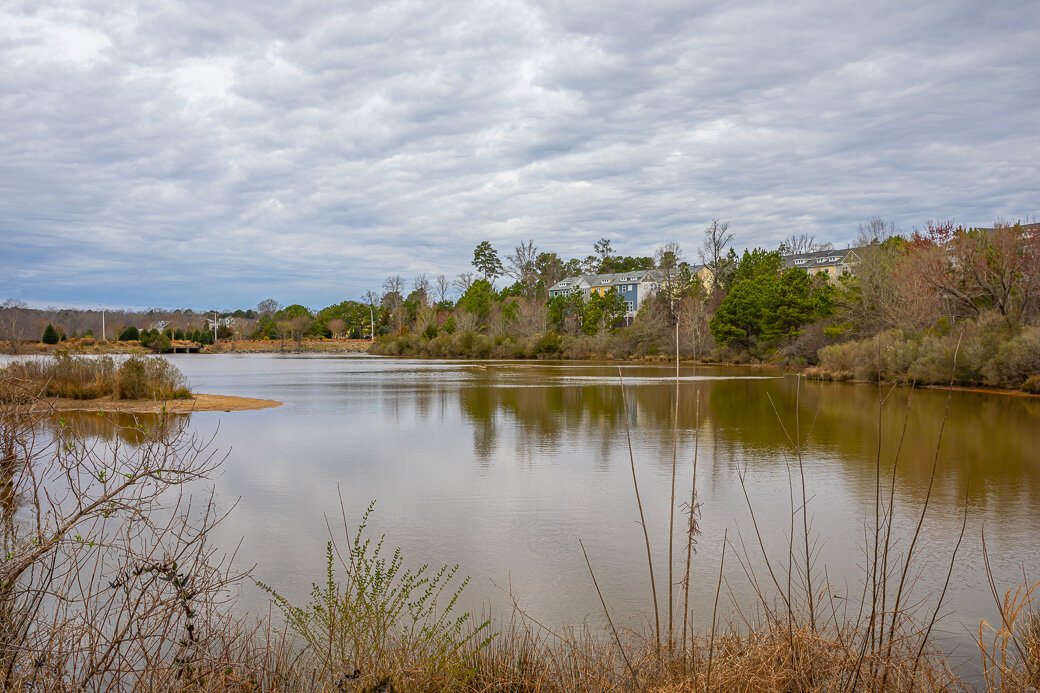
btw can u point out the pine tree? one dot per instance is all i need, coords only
(50, 335)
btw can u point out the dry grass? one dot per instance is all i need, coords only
(79, 377)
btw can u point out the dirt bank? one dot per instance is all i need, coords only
(176, 406)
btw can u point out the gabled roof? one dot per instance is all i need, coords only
(612, 279)
(619, 277)
(822, 258)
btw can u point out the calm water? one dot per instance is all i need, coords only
(502, 471)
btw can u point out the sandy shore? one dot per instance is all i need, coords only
(199, 402)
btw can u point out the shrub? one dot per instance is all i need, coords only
(158, 343)
(178, 334)
(129, 334)
(1032, 384)
(549, 344)
(480, 347)
(50, 335)
(1017, 360)
(151, 378)
(384, 620)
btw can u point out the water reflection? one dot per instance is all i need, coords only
(989, 440)
(501, 470)
(133, 429)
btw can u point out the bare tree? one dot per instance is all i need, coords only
(107, 578)
(521, 263)
(336, 327)
(13, 319)
(465, 321)
(530, 318)
(443, 287)
(798, 243)
(394, 284)
(463, 282)
(875, 230)
(268, 306)
(298, 328)
(421, 286)
(981, 269)
(717, 238)
(393, 298)
(668, 258)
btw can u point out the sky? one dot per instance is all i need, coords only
(213, 154)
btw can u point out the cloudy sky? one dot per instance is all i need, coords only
(211, 154)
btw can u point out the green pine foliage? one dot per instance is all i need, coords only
(50, 335)
(129, 334)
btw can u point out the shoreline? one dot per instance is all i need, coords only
(980, 389)
(230, 346)
(188, 405)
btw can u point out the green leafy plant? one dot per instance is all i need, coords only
(383, 619)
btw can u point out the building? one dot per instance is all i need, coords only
(634, 287)
(832, 262)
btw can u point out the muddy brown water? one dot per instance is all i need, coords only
(501, 467)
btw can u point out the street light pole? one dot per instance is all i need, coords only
(372, 317)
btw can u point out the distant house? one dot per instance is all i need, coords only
(634, 287)
(833, 262)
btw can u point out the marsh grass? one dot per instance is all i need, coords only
(79, 377)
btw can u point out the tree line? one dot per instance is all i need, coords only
(920, 290)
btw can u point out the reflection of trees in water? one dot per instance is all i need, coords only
(989, 439)
(135, 429)
(543, 416)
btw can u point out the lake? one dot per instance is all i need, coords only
(502, 467)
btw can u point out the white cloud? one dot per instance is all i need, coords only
(306, 150)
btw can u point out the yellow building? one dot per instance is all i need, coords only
(832, 263)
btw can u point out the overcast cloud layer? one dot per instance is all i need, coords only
(216, 153)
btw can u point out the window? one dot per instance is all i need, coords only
(629, 306)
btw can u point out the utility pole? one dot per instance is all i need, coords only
(214, 327)
(372, 317)
(103, 338)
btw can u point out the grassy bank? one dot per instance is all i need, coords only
(81, 378)
(552, 345)
(985, 352)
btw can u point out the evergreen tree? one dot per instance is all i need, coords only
(50, 335)
(485, 259)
